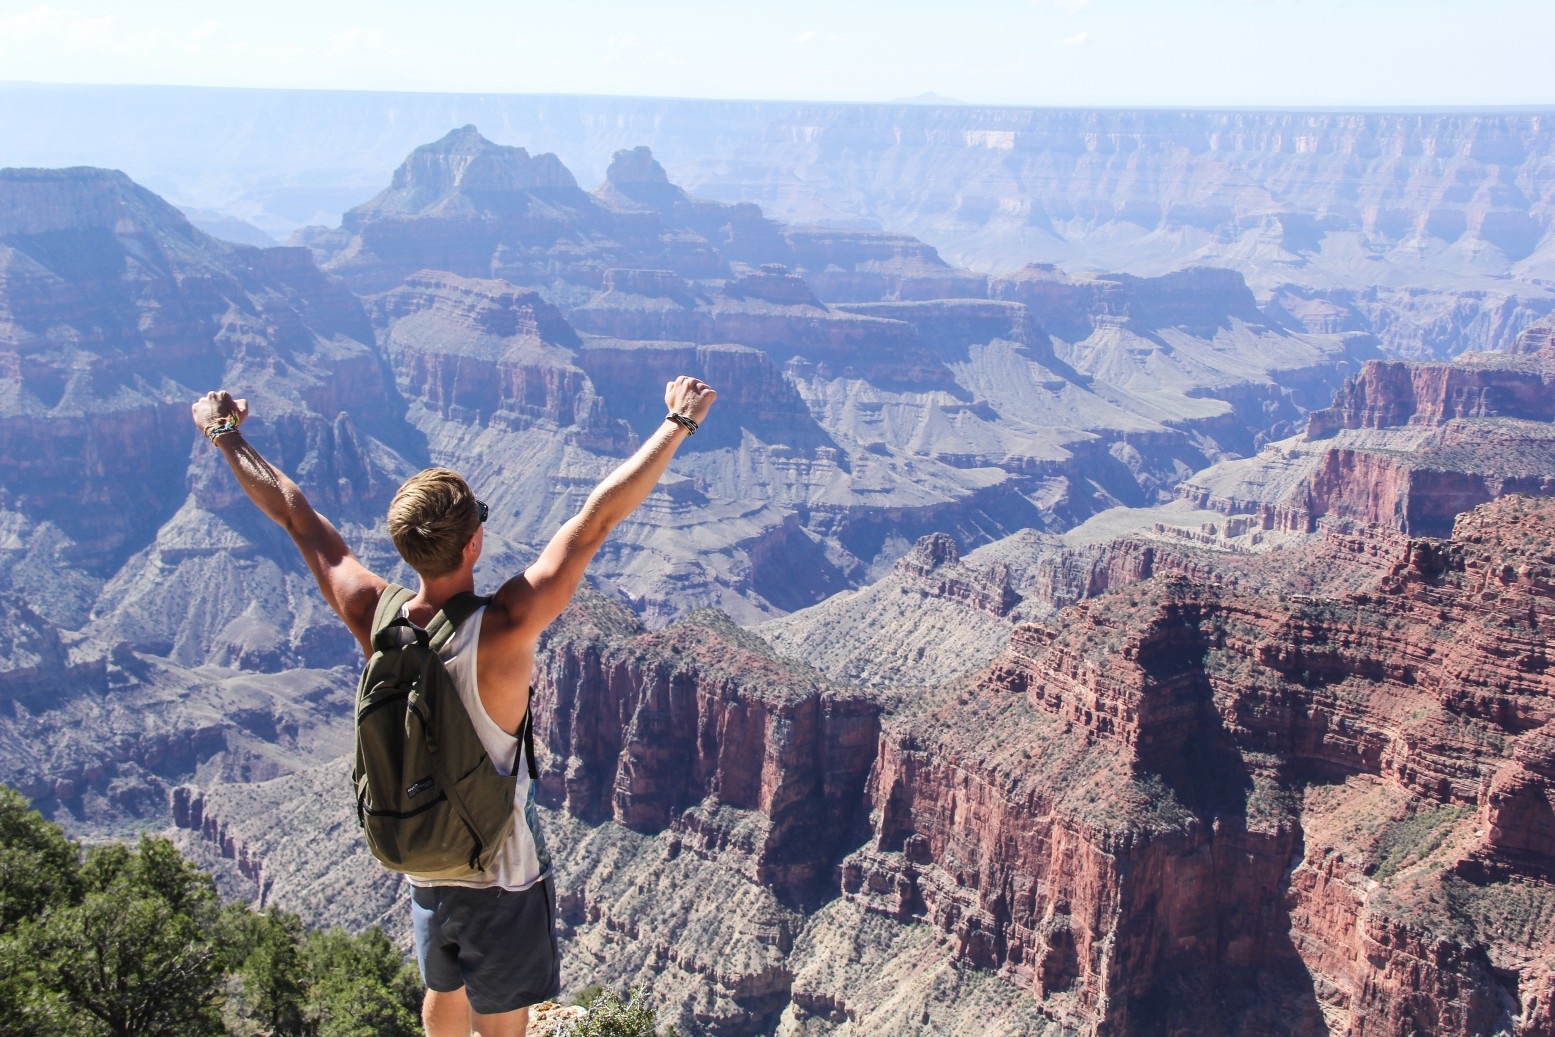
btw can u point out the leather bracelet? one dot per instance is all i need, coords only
(684, 422)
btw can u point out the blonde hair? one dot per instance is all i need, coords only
(431, 518)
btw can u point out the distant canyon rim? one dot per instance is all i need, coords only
(1428, 229)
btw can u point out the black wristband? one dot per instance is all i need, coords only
(684, 422)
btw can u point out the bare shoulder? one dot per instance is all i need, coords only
(516, 611)
(509, 627)
(505, 666)
(358, 603)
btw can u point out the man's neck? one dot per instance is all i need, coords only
(436, 591)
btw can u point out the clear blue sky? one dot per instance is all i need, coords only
(1023, 52)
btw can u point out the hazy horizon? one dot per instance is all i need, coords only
(928, 100)
(1239, 54)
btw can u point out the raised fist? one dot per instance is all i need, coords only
(689, 397)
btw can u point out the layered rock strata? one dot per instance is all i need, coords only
(848, 431)
(1174, 730)
(654, 747)
(115, 313)
(1424, 229)
(1296, 798)
(1405, 445)
(1185, 806)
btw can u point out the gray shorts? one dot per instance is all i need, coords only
(497, 944)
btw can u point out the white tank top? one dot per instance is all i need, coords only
(523, 859)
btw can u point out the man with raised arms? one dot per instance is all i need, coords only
(486, 947)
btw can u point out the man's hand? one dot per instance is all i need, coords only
(215, 405)
(689, 397)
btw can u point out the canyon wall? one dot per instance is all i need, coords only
(1409, 446)
(1032, 762)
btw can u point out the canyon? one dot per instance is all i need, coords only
(1312, 795)
(1020, 650)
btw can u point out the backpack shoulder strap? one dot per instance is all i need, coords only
(455, 611)
(527, 736)
(390, 601)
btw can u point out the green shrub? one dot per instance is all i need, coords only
(1413, 839)
(609, 1016)
(129, 952)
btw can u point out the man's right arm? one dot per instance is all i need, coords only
(348, 587)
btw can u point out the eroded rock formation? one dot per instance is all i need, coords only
(1405, 445)
(1093, 782)
(1202, 763)
(1424, 229)
(849, 429)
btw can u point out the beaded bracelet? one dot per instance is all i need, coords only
(229, 423)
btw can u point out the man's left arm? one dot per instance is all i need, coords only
(348, 586)
(535, 597)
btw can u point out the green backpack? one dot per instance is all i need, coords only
(428, 798)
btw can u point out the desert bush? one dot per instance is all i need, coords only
(609, 1016)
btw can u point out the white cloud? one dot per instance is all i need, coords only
(45, 27)
(1079, 39)
(360, 40)
(808, 36)
(617, 47)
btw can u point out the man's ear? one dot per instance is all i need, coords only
(472, 546)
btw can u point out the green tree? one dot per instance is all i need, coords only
(39, 871)
(39, 867)
(263, 953)
(134, 941)
(124, 963)
(362, 986)
(159, 870)
(132, 955)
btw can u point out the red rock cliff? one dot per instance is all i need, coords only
(691, 728)
(1387, 394)
(1293, 810)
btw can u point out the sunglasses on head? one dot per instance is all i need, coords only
(481, 505)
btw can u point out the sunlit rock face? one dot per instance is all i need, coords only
(1297, 791)
(114, 314)
(935, 399)
(1409, 446)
